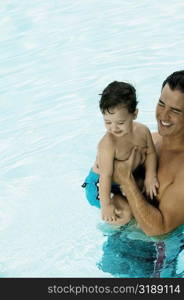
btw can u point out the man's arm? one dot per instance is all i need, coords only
(152, 220)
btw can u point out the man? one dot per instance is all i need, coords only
(169, 143)
(127, 253)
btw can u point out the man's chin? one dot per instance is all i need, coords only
(163, 132)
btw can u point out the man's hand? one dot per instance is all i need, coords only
(123, 169)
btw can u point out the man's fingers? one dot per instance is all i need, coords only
(142, 152)
(143, 156)
(143, 189)
(132, 156)
(147, 191)
(134, 149)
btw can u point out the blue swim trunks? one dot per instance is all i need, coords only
(91, 185)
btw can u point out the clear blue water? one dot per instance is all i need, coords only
(55, 58)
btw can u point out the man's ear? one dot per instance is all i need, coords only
(135, 113)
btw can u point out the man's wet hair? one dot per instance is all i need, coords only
(118, 94)
(175, 81)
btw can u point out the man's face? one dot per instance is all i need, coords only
(170, 112)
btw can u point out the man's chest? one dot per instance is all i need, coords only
(170, 164)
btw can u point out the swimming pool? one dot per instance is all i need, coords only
(55, 58)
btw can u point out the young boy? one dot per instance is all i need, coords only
(118, 106)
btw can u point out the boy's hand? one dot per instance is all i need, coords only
(151, 185)
(108, 213)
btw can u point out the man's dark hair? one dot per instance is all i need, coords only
(175, 81)
(116, 94)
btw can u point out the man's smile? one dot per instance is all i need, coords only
(165, 124)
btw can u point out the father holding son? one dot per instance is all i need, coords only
(169, 143)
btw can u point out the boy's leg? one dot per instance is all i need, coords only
(123, 211)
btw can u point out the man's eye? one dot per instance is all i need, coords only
(120, 123)
(161, 104)
(176, 112)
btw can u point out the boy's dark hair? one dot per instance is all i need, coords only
(118, 93)
(175, 81)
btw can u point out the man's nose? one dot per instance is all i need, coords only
(165, 114)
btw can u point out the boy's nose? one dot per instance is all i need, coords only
(114, 127)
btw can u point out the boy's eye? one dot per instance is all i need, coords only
(121, 123)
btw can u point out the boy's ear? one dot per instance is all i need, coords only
(135, 113)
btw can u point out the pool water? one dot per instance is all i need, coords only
(56, 57)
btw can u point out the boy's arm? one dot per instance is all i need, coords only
(106, 154)
(151, 182)
(151, 157)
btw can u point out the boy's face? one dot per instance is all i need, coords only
(119, 121)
